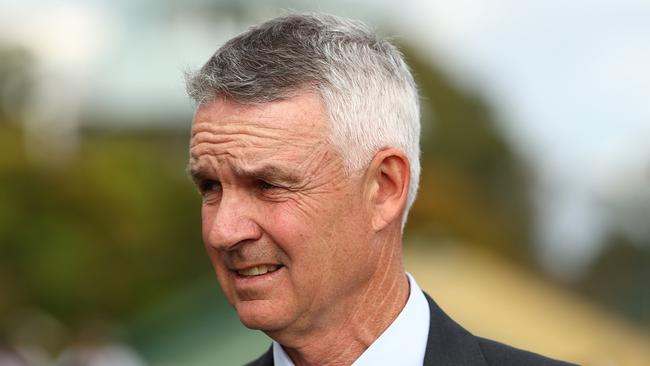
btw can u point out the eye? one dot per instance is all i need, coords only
(209, 186)
(264, 185)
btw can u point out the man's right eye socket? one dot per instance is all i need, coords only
(209, 186)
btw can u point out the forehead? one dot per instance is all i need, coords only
(281, 131)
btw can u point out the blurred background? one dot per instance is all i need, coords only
(532, 224)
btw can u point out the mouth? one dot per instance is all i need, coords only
(259, 270)
(255, 282)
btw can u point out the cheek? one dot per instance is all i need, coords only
(222, 274)
(300, 235)
(207, 220)
(348, 242)
(295, 226)
(314, 236)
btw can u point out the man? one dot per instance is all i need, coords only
(305, 148)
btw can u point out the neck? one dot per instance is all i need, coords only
(360, 322)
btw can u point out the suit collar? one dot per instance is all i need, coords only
(449, 343)
(265, 360)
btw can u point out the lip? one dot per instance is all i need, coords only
(246, 282)
(239, 268)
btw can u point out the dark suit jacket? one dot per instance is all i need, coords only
(451, 345)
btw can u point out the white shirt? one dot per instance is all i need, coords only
(402, 343)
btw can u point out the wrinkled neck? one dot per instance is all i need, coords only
(360, 323)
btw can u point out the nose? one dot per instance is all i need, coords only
(230, 222)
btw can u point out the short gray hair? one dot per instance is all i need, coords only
(366, 86)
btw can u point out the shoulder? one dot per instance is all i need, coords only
(496, 353)
(451, 344)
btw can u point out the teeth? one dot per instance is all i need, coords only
(256, 271)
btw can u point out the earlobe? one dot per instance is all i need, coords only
(390, 175)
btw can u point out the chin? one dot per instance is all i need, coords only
(260, 315)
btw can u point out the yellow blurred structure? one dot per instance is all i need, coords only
(497, 299)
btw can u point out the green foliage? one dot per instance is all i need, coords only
(102, 235)
(15, 80)
(619, 278)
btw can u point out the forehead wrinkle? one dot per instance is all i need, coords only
(250, 136)
(240, 164)
(266, 126)
(246, 153)
(206, 149)
(213, 132)
(207, 164)
(235, 145)
(253, 148)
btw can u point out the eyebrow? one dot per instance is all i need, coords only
(270, 172)
(196, 174)
(266, 172)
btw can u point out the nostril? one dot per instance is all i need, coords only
(231, 222)
(230, 236)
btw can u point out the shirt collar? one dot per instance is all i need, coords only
(402, 343)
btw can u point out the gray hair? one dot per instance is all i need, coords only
(365, 85)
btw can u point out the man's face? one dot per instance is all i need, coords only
(286, 229)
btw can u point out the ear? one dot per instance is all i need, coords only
(387, 180)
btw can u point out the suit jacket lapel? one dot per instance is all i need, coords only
(449, 343)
